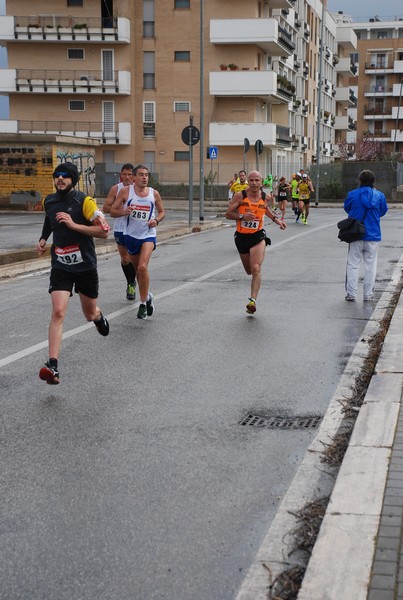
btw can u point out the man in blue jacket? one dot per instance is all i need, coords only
(368, 205)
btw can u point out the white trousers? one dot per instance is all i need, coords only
(361, 251)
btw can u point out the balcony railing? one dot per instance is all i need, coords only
(107, 133)
(67, 27)
(378, 89)
(57, 80)
(283, 135)
(379, 65)
(380, 109)
(285, 39)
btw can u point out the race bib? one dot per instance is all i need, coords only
(303, 196)
(140, 212)
(70, 255)
(282, 194)
(250, 224)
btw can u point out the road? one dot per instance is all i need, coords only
(133, 478)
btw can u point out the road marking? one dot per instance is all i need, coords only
(179, 288)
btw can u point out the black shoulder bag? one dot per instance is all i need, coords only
(351, 230)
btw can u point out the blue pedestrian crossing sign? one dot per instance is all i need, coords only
(213, 152)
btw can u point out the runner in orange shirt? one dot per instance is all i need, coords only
(248, 208)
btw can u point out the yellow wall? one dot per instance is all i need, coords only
(26, 167)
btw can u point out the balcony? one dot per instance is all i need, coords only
(344, 123)
(398, 89)
(378, 111)
(42, 81)
(260, 84)
(379, 66)
(380, 90)
(346, 38)
(285, 4)
(106, 133)
(346, 67)
(52, 28)
(265, 33)
(398, 66)
(283, 136)
(233, 134)
(346, 96)
(380, 136)
(396, 135)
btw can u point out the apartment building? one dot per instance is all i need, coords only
(379, 58)
(128, 73)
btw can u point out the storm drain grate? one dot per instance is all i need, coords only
(281, 422)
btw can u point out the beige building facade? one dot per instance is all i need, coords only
(379, 85)
(129, 74)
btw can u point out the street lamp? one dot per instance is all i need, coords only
(201, 185)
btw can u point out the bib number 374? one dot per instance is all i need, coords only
(70, 255)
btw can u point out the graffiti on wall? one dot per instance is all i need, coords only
(85, 163)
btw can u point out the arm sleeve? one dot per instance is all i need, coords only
(89, 207)
(46, 229)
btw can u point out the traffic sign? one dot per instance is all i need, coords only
(213, 152)
(258, 146)
(190, 135)
(246, 145)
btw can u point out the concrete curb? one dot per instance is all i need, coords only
(166, 232)
(340, 565)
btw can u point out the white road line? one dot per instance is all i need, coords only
(32, 349)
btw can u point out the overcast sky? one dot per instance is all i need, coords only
(369, 8)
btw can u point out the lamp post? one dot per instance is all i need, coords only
(201, 184)
(318, 130)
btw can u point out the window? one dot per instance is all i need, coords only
(382, 35)
(75, 2)
(76, 105)
(182, 4)
(75, 54)
(182, 56)
(108, 116)
(148, 70)
(181, 155)
(182, 106)
(149, 119)
(148, 18)
(107, 65)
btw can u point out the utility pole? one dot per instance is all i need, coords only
(201, 184)
(318, 126)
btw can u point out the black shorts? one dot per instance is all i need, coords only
(85, 282)
(245, 241)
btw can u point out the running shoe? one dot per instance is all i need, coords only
(251, 306)
(142, 311)
(102, 325)
(49, 374)
(368, 298)
(297, 219)
(131, 291)
(350, 298)
(150, 304)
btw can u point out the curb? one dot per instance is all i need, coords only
(168, 232)
(341, 561)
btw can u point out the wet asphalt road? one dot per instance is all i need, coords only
(133, 478)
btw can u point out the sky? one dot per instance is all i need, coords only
(369, 8)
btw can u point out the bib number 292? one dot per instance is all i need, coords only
(70, 255)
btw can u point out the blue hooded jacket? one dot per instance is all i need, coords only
(371, 200)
